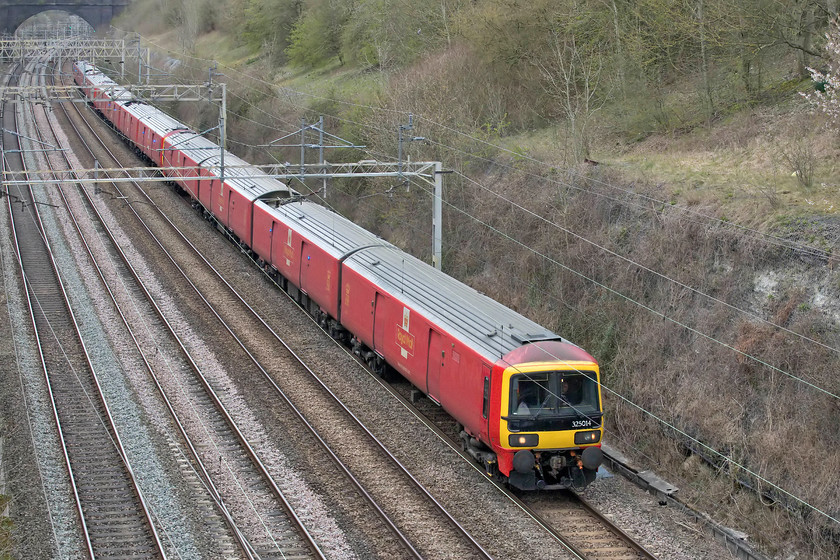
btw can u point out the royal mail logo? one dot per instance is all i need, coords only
(405, 340)
(289, 252)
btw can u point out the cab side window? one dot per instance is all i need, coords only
(485, 409)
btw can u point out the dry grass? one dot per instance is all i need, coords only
(735, 169)
(747, 166)
(755, 414)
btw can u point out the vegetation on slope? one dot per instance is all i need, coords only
(642, 177)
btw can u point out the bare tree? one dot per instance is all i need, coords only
(571, 77)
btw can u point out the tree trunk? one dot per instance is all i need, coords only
(704, 63)
(806, 34)
(618, 51)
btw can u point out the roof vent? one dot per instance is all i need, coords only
(536, 337)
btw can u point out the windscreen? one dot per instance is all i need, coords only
(555, 393)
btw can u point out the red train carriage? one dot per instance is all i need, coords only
(528, 400)
(481, 361)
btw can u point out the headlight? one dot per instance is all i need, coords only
(583, 438)
(524, 440)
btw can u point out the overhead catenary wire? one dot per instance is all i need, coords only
(728, 460)
(773, 239)
(641, 266)
(715, 452)
(770, 238)
(647, 269)
(659, 202)
(633, 301)
(644, 267)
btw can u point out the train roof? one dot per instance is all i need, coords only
(481, 322)
(251, 181)
(246, 178)
(153, 118)
(332, 232)
(97, 78)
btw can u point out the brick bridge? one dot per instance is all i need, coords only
(97, 13)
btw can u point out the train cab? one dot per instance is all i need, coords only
(550, 422)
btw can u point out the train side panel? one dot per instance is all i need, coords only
(319, 276)
(192, 182)
(285, 251)
(231, 198)
(120, 118)
(155, 152)
(435, 362)
(358, 297)
(384, 324)
(464, 385)
(266, 232)
(402, 337)
(206, 187)
(239, 214)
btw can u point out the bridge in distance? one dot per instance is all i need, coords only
(96, 12)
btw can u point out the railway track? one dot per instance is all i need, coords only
(565, 514)
(325, 409)
(113, 516)
(586, 529)
(590, 536)
(269, 527)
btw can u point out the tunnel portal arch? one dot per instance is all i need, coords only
(97, 13)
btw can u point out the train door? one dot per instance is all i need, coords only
(306, 268)
(177, 161)
(219, 202)
(434, 365)
(486, 372)
(209, 194)
(231, 213)
(270, 256)
(380, 321)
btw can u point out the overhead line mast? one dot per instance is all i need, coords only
(430, 172)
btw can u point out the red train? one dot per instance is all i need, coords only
(528, 400)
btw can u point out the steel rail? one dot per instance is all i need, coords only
(111, 423)
(204, 474)
(261, 467)
(19, 254)
(631, 542)
(70, 316)
(315, 377)
(325, 446)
